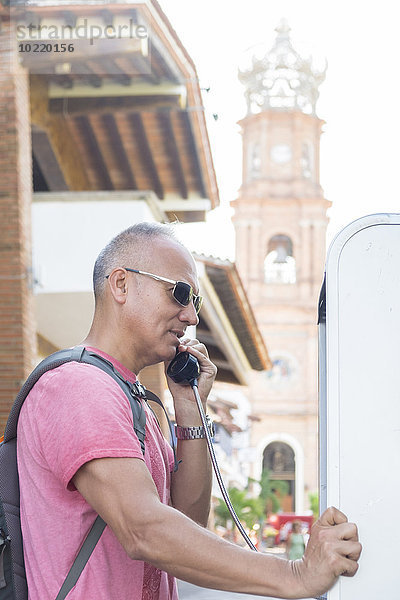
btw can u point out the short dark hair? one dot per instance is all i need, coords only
(118, 252)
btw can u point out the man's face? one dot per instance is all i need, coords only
(155, 319)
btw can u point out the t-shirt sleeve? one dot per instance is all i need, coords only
(83, 414)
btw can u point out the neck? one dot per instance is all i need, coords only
(107, 339)
(116, 350)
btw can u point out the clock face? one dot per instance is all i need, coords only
(281, 153)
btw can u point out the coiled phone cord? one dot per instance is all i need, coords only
(216, 468)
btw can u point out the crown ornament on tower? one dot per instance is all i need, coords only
(282, 79)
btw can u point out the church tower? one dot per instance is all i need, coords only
(280, 222)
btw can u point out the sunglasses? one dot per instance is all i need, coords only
(182, 292)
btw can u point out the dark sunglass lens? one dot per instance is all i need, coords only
(183, 293)
(197, 301)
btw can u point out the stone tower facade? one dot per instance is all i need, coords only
(280, 221)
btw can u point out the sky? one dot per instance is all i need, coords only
(359, 100)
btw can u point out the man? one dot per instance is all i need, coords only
(79, 456)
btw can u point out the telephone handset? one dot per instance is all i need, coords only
(185, 369)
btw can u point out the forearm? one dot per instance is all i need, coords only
(124, 495)
(175, 544)
(191, 484)
(122, 492)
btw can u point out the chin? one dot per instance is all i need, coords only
(167, 355)
(172, 353)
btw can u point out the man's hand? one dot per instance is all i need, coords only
(333, 550)
(182, 394)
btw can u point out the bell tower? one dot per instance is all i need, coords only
(280, 221)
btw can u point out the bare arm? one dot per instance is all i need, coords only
(122, 492)
(191, 484)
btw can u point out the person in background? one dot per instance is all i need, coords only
(295, 545)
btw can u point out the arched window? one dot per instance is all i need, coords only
(279, 264)
(279, 461)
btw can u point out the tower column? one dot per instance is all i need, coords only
(305, 277)
(255, 251)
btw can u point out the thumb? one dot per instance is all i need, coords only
(332, 516)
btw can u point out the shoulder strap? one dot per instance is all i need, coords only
(80, 354)
(83, 556)
(133, 391)
(51, 362)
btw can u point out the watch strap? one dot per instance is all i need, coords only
(195, 432)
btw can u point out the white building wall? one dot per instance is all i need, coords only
(68, 236)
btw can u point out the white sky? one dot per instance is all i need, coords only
(359, 100)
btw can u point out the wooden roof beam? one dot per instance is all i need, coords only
(121, 156)
(138, 130)
(115, 73)
(110, 88)
(47, 161)
(93, 150)
(114, 104)
(91, 76)
(171, 148)
(193, 154)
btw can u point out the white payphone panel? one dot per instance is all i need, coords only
(360, 399)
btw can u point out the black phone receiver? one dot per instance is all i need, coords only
(184, 368)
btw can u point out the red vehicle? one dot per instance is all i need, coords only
(282, 523)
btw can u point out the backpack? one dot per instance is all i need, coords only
(13, 585)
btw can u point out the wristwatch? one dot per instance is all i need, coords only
(195, 433)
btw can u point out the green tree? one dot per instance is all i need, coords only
(269, 489)
(249, 510)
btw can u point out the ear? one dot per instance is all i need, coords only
(117, 283)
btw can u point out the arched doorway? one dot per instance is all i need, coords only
(279, 460)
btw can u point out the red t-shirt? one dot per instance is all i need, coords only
(76, 413)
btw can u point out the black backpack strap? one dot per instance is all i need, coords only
(133, 391)
(51, 362)
(83, 556)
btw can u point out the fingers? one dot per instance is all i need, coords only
(354, 551)
(194, 347)
(343, 530)
(332, 516)
(333, 550)
(186, 343)
(349, 567)
(347, 531)
(207, 367)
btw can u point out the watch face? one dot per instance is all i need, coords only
(281, 153)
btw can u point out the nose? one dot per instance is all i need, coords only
(189, 315)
